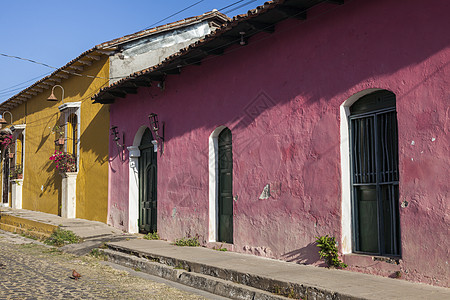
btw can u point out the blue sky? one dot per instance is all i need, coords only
(55, 32)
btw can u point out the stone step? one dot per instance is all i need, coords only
(267, 285)
(182, 274)
(25, 226)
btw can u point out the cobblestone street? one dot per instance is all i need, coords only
(30, 270)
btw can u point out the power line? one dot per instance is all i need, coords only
(230, 5)
(174, 14)
(55, 68)
(242, 5)
(12, 88)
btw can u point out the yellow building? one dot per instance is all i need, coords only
(71, 125)
(57, 161)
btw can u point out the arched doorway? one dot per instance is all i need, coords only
(147, 184)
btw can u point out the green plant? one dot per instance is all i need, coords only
(329, 252)
(189, 242)
(151, 236)
(98, 254)
(60, 131)
(61, 237)
(220, 248)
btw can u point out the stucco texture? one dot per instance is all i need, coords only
(42, 182)
(281, 95)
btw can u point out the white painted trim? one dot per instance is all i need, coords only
(133, 189)
(69, 195)
(64, 106)
(346, 206)
(133, 181)
(16, 193)
(213, 166)
(16, 184)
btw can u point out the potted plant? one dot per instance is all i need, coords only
(65, 162)
(19, 172)
(60, 134)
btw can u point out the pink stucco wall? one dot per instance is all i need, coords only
(280, 96)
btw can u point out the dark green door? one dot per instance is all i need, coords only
(147, 185)
(225, 187)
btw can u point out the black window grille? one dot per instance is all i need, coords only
(375, 175)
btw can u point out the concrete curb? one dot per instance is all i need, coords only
(199, 281)
(250, 281)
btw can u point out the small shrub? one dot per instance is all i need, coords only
(329, 252)
(61, 237)
(189, 242)
(220, 248)
(98, 254)
(151, 236)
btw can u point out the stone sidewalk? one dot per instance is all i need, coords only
(233, 275)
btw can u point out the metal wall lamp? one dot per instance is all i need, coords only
(154, 125)
(2, 119)
(52, 95)
(115, 133)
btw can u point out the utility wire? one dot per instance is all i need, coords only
(11, 88)
(55, 68)
(242, 5)
(174, 14)
(230, 5)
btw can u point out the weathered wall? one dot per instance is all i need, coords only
(280, 96)
(140, 54)
(42, 182)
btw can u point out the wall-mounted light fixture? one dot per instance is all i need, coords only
(52, 95)
(154, 125)
(115, 133)
(2, 119)
(243, 42)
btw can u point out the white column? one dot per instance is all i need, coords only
(16, 193)
(133, 189)
(69, 195)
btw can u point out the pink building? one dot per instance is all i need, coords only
(297, 120)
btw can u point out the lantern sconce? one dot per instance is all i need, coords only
(52, 96)
(2, 119)
(115, 133)
(154, 125)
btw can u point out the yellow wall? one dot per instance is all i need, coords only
(42, 182)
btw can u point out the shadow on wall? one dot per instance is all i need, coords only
(307, 255)
(321, 77)
(53, 182)
(53, 120)
(95, 138)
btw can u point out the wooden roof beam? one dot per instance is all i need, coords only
(61, 75)
(214, 51)
(128, 90)
(105, 52)
(38, 90)
(260, 26)
(117, 93)
(292, 12)
(338, 2)
(85, 62)
(55, 79)
(93, 57)
(78, 68)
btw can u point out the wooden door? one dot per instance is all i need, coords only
(225, 211)
(147, 185)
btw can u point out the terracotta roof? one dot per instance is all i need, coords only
(236, 31)
(76, 65)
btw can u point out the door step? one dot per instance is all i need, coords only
(183, 275)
